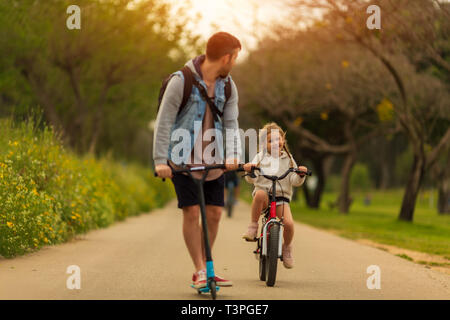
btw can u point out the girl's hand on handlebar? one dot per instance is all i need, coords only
(163, 171)
(304, 171)
(248, 166)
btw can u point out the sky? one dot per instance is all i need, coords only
(242, 18)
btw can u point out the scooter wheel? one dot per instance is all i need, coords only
(212, 288)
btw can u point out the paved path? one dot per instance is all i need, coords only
(145, 257)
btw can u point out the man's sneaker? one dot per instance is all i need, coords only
(199, 279)
(252, 232)
(221, 282)
(288, 260)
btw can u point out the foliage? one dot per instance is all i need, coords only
(91, 81)
(360, 178)
(48, 194)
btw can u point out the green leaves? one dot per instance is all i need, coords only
(48, 194)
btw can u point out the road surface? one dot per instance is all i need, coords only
(145, 257)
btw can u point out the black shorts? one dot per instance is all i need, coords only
(186, 191)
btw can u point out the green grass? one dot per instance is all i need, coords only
(429, 232)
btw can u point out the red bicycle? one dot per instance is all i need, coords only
(270, 240)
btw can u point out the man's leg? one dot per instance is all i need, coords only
(213, 215)
(192, 233)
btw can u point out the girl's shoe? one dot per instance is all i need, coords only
(252, 232)
(288, 260)
(199, 279)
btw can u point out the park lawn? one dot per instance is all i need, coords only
(429, 232)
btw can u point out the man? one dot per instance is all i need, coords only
(212, 72)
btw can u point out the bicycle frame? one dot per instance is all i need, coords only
(272, 220)
(273, 211)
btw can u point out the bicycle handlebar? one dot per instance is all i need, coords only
(200, 168)
(239, 169)
(284, 175)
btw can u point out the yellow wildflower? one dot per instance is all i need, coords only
(385, 110)
(9, 224)
(298, 121)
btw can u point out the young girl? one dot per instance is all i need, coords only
(274, 159)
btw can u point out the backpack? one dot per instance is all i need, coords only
(189, 81)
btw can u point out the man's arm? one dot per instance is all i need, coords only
(165, 119)
(231, 125)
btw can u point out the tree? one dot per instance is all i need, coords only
(419, 30)
(101, 78)
(323, 94)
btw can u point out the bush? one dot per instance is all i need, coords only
(48, 194)
(333, 183)
(360, 178)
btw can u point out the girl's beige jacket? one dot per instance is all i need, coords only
(275, 166)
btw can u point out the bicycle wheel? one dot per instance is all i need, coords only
(272, 254)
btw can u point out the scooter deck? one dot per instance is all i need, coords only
(205, 289)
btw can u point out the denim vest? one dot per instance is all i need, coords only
(191, 119)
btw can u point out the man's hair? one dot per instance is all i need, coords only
(220, 44)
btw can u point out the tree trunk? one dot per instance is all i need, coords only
(444, 195)
(313, 199)
(344, 199)
(412, 189)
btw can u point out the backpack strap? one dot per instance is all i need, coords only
(188, 79)
(215, 111)
(227, 90)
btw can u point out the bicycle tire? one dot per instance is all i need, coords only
(272, 254)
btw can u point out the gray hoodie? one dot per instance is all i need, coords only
(168, 113)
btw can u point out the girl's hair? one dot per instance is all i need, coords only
(266, 131)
